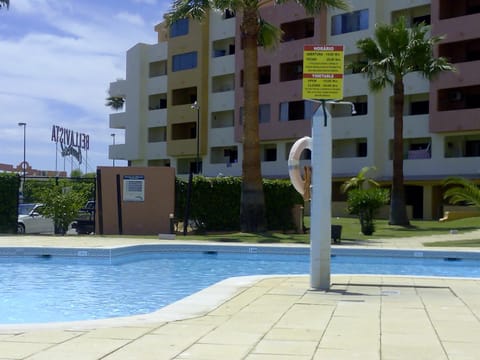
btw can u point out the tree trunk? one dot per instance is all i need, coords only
(252, 209)
(398, 207)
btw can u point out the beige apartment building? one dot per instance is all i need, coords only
(184, 97)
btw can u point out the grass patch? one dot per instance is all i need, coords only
(350, 232)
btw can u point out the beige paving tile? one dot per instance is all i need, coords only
(234, 337)
(302, 316)
(461, 331)
(285, 347)
(214, 351)
(462, 350)
(15, 350)
(345, 341)
(342, 354)
(184, 329)
(150, 347)
(80, 348)
(276, 357)
(411, 346)
(278, 333)
(45, 336)
(126, 332)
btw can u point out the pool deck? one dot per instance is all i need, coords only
(279, 317)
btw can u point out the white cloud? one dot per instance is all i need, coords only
(60, 74)
(134, 19)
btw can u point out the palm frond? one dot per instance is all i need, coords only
(115, 102)
(269, 35)
(460, 190)
(5, 3)
(187, 9)
(314, 7)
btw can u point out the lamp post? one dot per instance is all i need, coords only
(24, 164)
(195, 106)
(113, 157)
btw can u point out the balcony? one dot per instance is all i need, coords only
(118, 120)
(157, 118)
(118, 88)
(222, 65)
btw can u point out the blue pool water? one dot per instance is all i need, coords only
(54, 288)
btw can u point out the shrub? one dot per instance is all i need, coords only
(9, 185)
(365, 203)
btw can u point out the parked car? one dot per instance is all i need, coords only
(85, 221)
(31, 220)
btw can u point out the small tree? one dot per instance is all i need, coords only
(365, 203)
(61, 204)
(360, 181)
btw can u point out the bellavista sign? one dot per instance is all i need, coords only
(71, 142)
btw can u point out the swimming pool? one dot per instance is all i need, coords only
(50, 284)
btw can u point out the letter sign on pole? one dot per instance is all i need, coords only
(323, 72)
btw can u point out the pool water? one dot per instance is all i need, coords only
(48, 289)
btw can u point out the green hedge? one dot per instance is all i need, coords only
(215, 203)
(9, 185)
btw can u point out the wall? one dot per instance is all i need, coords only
(148, 217)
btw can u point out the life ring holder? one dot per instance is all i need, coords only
(294, 170)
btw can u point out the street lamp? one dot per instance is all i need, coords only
(113, 157)
(24, 164)
(195, 106)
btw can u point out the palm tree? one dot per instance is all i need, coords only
(396, 51)
(360, 181)
(254, 31)
(5, 3)
(460, 190)
(115, 102)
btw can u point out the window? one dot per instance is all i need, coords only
(224, 155)
(349, 148)
(157, 68)
(350, 22)
(157, 134)
(291, 71)
(419, 107)
(184, 131)
(263, 75)
(296, 110)
(269, 152)
(157, 101)
(296, 30)
(184, 61)
(228, 14)
(179, 28)
(263, 113)
(184, 96)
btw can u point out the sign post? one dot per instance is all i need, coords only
(322, 81)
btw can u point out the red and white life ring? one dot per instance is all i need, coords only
(294, 163)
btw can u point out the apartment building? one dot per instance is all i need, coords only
(184, 97)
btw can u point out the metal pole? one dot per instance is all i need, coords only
(113, 157)
(198, 142)
(24, 164)
(195, 106)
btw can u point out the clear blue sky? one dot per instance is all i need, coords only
(57, 59)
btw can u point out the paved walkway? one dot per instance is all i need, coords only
(262, 318)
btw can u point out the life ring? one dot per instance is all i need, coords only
(294, 163)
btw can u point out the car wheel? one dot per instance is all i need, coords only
(20, 228)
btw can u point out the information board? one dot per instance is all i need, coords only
(133, 188)
(323, 72)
